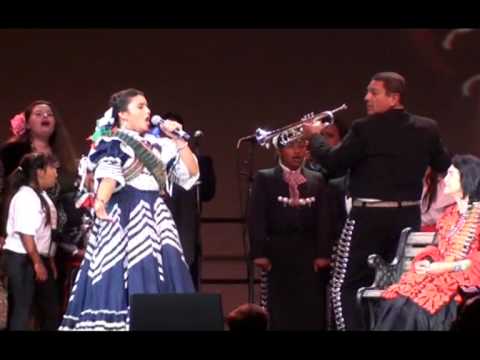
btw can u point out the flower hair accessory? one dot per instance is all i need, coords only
(103, 126)
(107, 119)
(18, 124)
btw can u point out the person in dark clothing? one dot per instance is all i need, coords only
(341, 202)
(186, 206)
(72, 244)
(333, 134)
(248, 317)
(289, 223)
(386, 154)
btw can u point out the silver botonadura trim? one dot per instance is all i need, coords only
(340, 261)
(264, 289)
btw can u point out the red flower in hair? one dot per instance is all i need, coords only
(17, 124)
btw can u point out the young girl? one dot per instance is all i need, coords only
(28, 250)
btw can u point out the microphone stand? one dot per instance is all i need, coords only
(246, 245)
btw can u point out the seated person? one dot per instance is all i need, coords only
(429, 293)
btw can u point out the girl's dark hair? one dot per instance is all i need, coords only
(59, 140)
(469, 168)
(120, 100)
(26, 175)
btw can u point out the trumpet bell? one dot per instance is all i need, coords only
(262, 136)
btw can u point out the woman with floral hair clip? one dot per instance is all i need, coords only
(39, 128)
(133, 247)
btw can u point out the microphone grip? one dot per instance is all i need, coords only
(157, 120)
(182, 134)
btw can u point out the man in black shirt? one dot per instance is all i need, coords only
(386, 154)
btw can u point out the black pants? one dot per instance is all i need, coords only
(24, 292)
(367, 231)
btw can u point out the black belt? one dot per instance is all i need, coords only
(385, 204)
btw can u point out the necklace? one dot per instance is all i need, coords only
(461, 236)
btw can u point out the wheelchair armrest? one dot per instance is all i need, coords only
(376, 262)
(385, 274)
(369, 293)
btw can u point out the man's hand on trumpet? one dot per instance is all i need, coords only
(311, 126)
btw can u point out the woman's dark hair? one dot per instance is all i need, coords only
(469, 168)
(431, 180)
(26, 175)
(120, 100)
(59, 140)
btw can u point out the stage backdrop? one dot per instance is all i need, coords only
(228, 82)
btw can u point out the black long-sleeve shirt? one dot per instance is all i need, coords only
(387, 155)
(283, 232)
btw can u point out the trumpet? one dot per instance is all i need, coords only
(293, 131)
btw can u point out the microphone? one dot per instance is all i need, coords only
(197, 136)
(157, 120)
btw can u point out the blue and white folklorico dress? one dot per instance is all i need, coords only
(139, 251)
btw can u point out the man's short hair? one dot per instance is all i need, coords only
(393, 82)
